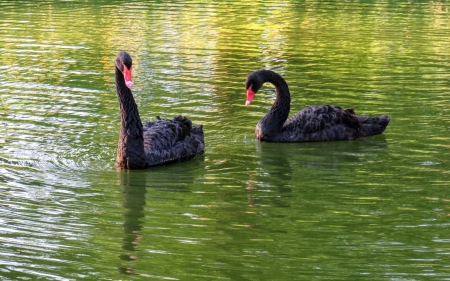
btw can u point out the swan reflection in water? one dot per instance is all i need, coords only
(133, 185)
(277, 165)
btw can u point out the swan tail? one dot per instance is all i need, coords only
(199, 137)
(370, 126)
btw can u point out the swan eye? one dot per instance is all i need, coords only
(125, 67)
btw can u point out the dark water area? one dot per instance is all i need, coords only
(376, 208)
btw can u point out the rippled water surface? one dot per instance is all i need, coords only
(371, 209)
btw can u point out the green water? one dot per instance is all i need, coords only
(371, 209)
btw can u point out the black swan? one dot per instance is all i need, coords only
(313, 123)
(155, 143)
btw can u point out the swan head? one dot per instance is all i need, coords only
(253, 83)
(124, 63)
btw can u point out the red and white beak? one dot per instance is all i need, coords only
(250, 96)
(127, 76)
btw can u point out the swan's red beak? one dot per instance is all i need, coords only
(250, 95)
(127, 76)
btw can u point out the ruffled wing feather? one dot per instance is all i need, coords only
(167, 141)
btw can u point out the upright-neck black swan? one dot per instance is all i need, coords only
(156, 143)
(313, 123)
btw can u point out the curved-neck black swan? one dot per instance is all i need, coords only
(313, 123)
(155, 143)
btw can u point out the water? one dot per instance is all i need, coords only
(370, 209)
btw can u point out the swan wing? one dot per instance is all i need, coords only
(321, 123)
(167, 141)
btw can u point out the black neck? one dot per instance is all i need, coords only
(279, 111)
(130, 153)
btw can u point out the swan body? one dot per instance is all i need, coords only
(155, 143)
(313, 123)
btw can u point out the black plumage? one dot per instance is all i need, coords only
(313, 123)
(155, 143)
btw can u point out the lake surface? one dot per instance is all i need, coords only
(372, 209)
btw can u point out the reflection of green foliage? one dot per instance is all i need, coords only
(246, 210)
(5, 108)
